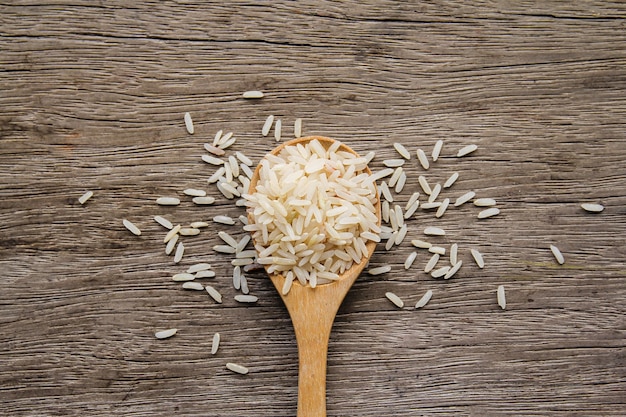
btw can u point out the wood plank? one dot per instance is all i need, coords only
(93, 98)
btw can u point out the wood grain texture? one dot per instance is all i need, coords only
(93, 97)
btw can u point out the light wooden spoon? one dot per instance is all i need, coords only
(313, 311)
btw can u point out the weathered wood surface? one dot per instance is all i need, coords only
(92, 98)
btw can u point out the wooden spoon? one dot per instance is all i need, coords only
(313, 311)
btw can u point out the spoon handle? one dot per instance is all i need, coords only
(312, 342)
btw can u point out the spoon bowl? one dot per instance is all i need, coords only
(313, 310)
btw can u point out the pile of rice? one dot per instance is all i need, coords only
(312, 211)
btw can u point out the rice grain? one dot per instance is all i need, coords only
(214, 294)
(202, 201)
(402, 150)
(501, 297)
(397, 301)
(379, 270)
(131, 227)
(490, 212)
(189, 123)
(464, 198)
(183, 276)
(410, 259)
(83, 198)
(246, 298)
(215, 345)
(557, 254)
(438, 273)
(432, 262)
(190, 285)
(453, 270)
(437, 150)
(454, 251)
(167, 201)
(173, 232)
(421, 156)
(164, 334)
(424, 300)
(193, 192)
(434, 231)
(239, 369)
(180, 250)
(451, 180)
(466, 150)
(478, 258)
(592, 207)
(443, 207)
(163, 222)
(424, 184)
(253, 94)
(421, 244)
(484, 202)
(278, 129)
(297, 128)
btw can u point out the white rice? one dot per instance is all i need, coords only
(173, 232)
(198, 267)
(464, 198)
(453, 270)
(401, 182)
(267, 125)
(199, 225)
(278, 129)
(163, 222)
(437, 249)
(214, 149)
(369, 156)
(424, 300)
(440, 272)
(246, 298)
(401, 234)
(466, 150)
(193, 192)
(410, 259)
(213, 293)
(454, 252)
(434, 193)
(437, 150)
(397, 301)
(190, 285)
(443, 207)
(451, 180)
(168, 201)
(183, 276)
(212, 160)
(171, 244)
(253, 94)
(428, 206)
(380, 174)
(592, 207)
(218, 137)
(421, 156)
(227, 238)
(297, 128)
(557, 254)
(434, 231)
(189, 123)
(484, 202)
(216, 343)
(224, 220)
(164, 334)
(204, 274)
(131, 227)
(391, 241)
(224, 139)
(393, 163)
(501, 297)
(402, 150)
(432, 262)
(201, 201)
(490, 212)
(228, 143)
(421, 244)
(83, 198)
(180, 250)
(243, 158)
(237, 277)
(224, 249)
(237, 368)
(244, 284)
(189, 231)
(478, 258)
(379, 270)
(412, 209)
(289, 222)
(384, 189)
(217, 175)
(396, 176)
(414, 197)
(424, 184)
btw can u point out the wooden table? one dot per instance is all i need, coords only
(93, 97)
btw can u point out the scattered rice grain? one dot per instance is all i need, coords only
(434, 193)
(183, 276)
(190, 285)
(424, 184)
(410, 259)
(557, 254)
(163, 222)
(453, 270)
(267, 125)
(466, 150)
(278, 129)
(246, 298)
(592, 207)
(171, 244)
(253, 94)
(189, 231)
(437, 249)
(215, 344)
(501, 297)
(213, 293)
(443, 207)
(440, 272)
(224, 220)
(451, 180)
(131, 227)
(379, 270)
(297, 128)
(180, 250)
(164, 334)
(167, 201)
(203, 200)
(478, 258)
(198, 267)
(437, 150)
(421, 156)
(83, 198)
(173, 232)
(189, 123)
(424, 300)
(397, 301)
(464, 198)
(432, 262)
(237, 368)
(484, 202)
(393, 163)
(434, 231)
(454, 252)
(490, 212)
(421, 244)
(204, 274)
(402, 150)
(193, 192)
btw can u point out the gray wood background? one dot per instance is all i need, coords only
(92, 96)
